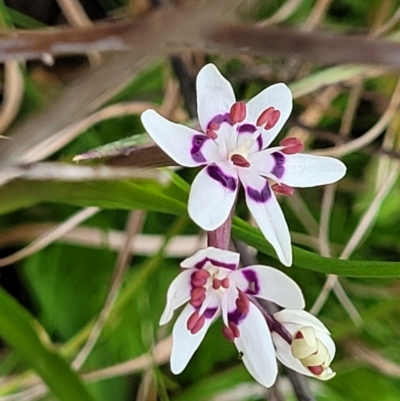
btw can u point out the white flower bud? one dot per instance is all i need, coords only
(312, 348)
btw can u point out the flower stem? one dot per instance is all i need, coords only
(221, 237)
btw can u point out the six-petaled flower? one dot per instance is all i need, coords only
(233, 145)
(212, 286)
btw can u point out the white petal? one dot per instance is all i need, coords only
(215, 95)
(267, 213)
(300, 318)
(184, 145)
(284, 354)
(278, 96)
(270, 284)
(302, 170)
(212, 195)
(218, 257)
(184, 343)
(256, 345)
(178, 294)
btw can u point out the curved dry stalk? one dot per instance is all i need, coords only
(363, 226)
(12, 94)
(388, 25)
(143, 244)
(317, 14)
(63, 137)
(50, 236)
(134, 226)
(284, 12)
(76, 16)
(351, 108)
(371, 134)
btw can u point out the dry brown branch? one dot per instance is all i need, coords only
(147, 40)
(321, 47)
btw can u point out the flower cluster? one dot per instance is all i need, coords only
(233, 144)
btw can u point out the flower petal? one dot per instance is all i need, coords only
(212, 195)
(183, 144)
(184, 343)
(299, 319)
(267, 213)
(218, 257)
(178, 294)
(278, 96)
(256, 345)
(284, 354)
(215, 95)
(270, 284)
(302, 170)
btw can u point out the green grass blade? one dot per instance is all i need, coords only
(19, 329)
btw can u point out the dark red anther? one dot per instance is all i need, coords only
(225, 282)
(216, 284)
(273, 119)
(196, 303)
(242, 303)
(316, 370)
(298, 335)
(292, 145)
(201, 274)
(194, 317)
(197, 293)
(265, 116)
(198, 325)
(228, 333)
(213, 126)
(235, 329)
(237, 112)
(239, 160)
(283, 189)
(199, 278)
(212, 134)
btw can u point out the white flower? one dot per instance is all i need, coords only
(233, 145)
(210, 286)
(311, 350)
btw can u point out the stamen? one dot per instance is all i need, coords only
(225, 282)
(283, 189)
(235, 329)
(194, 317)
(292, 145)
(212, 134)
(216, 284)
(242, 303)
(195, 322)
(213, 126)
(316, 370)
(199, 278)
(228, 333)
(199, 325)
(269, 118)
(197, 293)
(196, 303)
(239, 160)
(237, 112)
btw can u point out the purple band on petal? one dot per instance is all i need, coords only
(217, 263)
(217, 174)
(247, 128)
(209, 313)
(279, 168)
(197, 143)
(260, 142)
(259, 196)
(251, 277)
(221, 118)
(236, 316)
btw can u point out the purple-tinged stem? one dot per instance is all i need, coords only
(221, 237)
